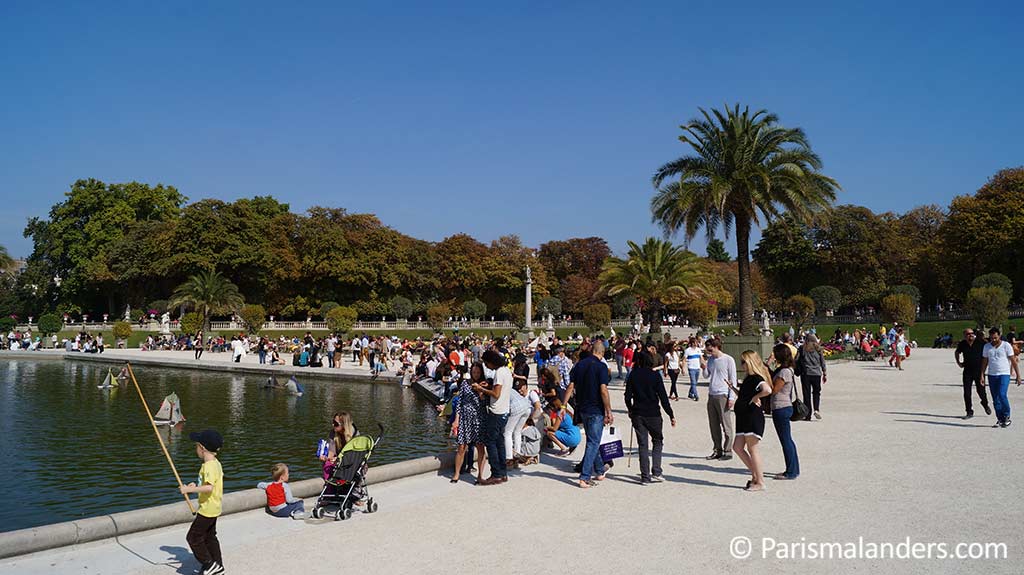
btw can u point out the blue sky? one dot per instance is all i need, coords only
(540, 119)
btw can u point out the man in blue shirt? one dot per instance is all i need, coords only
(589, 378)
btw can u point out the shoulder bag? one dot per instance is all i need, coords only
(800, 409)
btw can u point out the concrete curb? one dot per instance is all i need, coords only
(24, 541)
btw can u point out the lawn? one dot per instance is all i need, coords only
(924, 333)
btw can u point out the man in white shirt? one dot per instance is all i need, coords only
(999, 360)
(499, 395)
(721, 372)
(329, 347)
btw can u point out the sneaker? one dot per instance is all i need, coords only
(988, 410)
(998, 424)
(725, 457)
(968, 416)
(657, 479)
(1007, 423)
(715, 455)
(299, 515)
(214, 569)
(817, 415)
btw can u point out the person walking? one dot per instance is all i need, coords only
(499, 394)
(645, 398)
(589, 378)
(197, 345)
(671, 367)
(968, 355)
(813, 373)
(783, 383)
(721, 373)
(694, 364)
(750, 417)
(466, 425)
(999, 362)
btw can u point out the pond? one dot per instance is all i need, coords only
(75, 451)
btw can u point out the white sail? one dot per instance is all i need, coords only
(170, 411)
(108, 381)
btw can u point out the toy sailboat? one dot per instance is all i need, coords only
(169, 412)
(109, 382)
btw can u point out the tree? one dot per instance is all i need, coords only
(191, 322)
(5, 260)
(654, 272)
(159, 306)
(716, 251)
(297, 306)
(437, 314)
(987, 305)
(826, 298)
(573, 266)
(624, 305)
(50, 323)
(745, 169)
(401, 307)
(341, 319)
(898, 308)
(474, 308)
(516, 313)
(208, 293)
(802, 308)
(550, 305)
(787, 257)
(701, 312)
(910, 291)
(122, 330)
(253, 316)
(597, 316)
(326, 307)
(994, 279)
(7, 324)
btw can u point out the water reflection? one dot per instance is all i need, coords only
(70, 441)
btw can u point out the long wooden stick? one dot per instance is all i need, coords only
(149, 414)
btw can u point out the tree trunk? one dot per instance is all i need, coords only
(747, 326)
(654, 308)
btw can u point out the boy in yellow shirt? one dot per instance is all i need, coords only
(202, 535)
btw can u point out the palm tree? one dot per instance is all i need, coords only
(5, 260)
(654, 272)
(208, 292)
(746, 170)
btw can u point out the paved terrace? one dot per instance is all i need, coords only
(891, 460)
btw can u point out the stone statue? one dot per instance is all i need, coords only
(551, 322)
(128, 313)
(764, 320)
(529, 276)
(165, 323)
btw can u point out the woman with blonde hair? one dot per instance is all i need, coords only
(750, 417)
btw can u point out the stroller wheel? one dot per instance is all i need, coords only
(371, 506)
(317, 513)
(345, 514)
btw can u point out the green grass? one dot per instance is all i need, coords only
(924, 332)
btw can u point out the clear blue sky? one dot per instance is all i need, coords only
(540, 119)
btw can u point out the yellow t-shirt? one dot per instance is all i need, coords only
(209, 503)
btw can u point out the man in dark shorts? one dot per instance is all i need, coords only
(968, 356)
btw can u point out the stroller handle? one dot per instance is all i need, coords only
(380, 426)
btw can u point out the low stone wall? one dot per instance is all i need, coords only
(35, 539)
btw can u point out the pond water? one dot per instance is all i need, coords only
(72, 450)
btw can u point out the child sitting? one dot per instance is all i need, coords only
(280, 501)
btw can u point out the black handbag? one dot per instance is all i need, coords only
(800, 409)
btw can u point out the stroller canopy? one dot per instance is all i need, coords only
(358, 443)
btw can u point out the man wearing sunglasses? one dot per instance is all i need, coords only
(968, 357)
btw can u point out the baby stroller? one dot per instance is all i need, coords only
(347, 484)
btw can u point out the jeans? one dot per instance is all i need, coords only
(999, 384)
(673, 375)
(202, 540)
(972, 378)
(593, 465)
(694, 375)
(288, 509)
(263, 357)
(811, 386)
(780, 418)
(495, 443)
(513, 434)
(652, 426)
(330, 358)
(618, 364)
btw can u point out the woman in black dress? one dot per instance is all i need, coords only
(750, 416)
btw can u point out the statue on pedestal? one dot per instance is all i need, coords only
(165, 323)
(127, 313)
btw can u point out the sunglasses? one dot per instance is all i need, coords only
(336, 423)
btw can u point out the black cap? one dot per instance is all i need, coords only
(208, 438)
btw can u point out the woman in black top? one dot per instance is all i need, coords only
(750, 417)
(645, 390)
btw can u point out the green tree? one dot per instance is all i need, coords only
(899, 308)
(716, 251)
(597, 316)
(700, 311)
(159, 306)
(994, 279)
(745, 169)
(516, 313)
(297, 306)
(437, 314)
(191, 322)
(573, 266)
(208, 293)
(122, 330)
(7, 324)
(802, 309)
(550, 305)
(341, 319)
(910, 291)
(988, 305)
(5, 260)
(787, 257)
(253, 316)
(474, 308)
(50, 323)
(826, 298)
(624, 305)
(326, 307)
(654, 272)
(401, 307)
